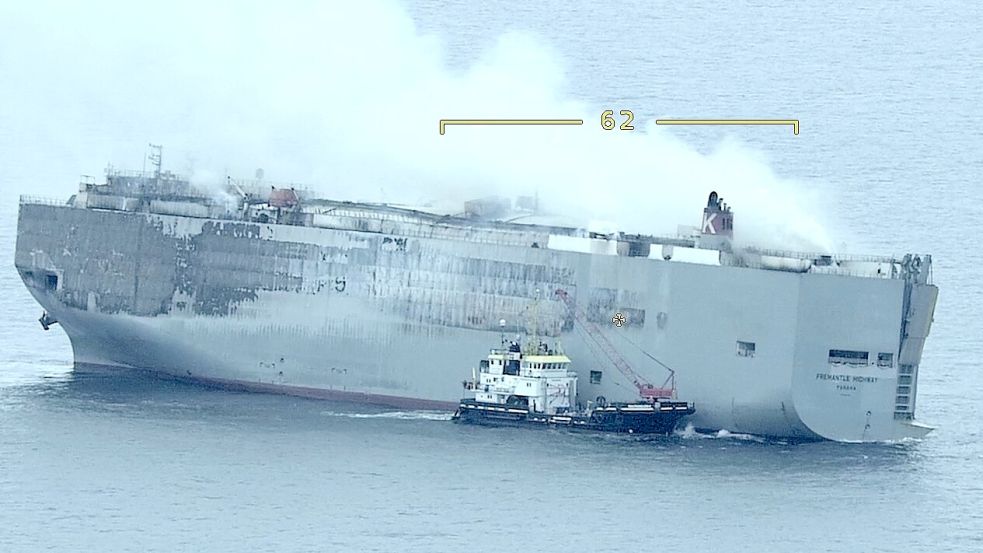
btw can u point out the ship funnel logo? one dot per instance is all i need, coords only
(718, 220)
(708, 223)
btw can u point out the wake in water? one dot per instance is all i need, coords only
(690, 433)
(687, 433)
(399, 415)
(18, 373)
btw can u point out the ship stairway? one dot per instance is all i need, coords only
(904, 398)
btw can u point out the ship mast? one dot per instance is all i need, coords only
(156, 154)
(534, 326)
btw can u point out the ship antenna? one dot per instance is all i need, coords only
(501, 326)
(155, 159)
(535, 321)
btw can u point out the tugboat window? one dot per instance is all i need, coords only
(595, 377)
(51, 282)
(885, 359)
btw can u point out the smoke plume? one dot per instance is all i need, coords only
(345, 97)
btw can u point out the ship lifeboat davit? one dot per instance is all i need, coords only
(284, 198)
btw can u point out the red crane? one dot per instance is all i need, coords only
(645, 389)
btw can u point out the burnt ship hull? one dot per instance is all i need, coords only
(346, 307)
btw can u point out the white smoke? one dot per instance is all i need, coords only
(213, 184)
(346, 97)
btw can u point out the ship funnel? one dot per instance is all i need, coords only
(717, 228)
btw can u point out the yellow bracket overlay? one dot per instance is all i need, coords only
(445, 122)
(793, 122)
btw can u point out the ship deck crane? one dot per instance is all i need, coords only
(645, 389)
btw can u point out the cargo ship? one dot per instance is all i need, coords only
(268, 288)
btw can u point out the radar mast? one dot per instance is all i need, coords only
(155, 155)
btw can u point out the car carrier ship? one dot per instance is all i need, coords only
(272, 289)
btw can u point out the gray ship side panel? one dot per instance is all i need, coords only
(101, 260)
(711, 310)
(843, 314)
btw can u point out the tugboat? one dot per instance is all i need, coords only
(536, 388)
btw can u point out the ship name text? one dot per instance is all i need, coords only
(846, 378)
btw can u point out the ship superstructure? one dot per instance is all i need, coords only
(269, 288)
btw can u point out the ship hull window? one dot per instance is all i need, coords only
(848, 357)
(595, 377)
(512, 368)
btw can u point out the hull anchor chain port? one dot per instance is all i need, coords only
(47, 320)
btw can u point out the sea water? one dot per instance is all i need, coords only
(891, 135)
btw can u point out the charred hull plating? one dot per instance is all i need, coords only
(339, 300)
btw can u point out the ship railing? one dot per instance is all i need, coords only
(131, 173)
(399, 213)
(653, 239)
(421, 228)
(149, 175)
(261, 188)
(826, 270)
(841, 271)
(44, 200)
(862, 258)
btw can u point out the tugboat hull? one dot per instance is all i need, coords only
(630, 418)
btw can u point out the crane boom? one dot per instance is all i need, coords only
(645, 389)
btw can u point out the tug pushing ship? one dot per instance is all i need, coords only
(537, 388)
(532, 384)
(270, 288)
